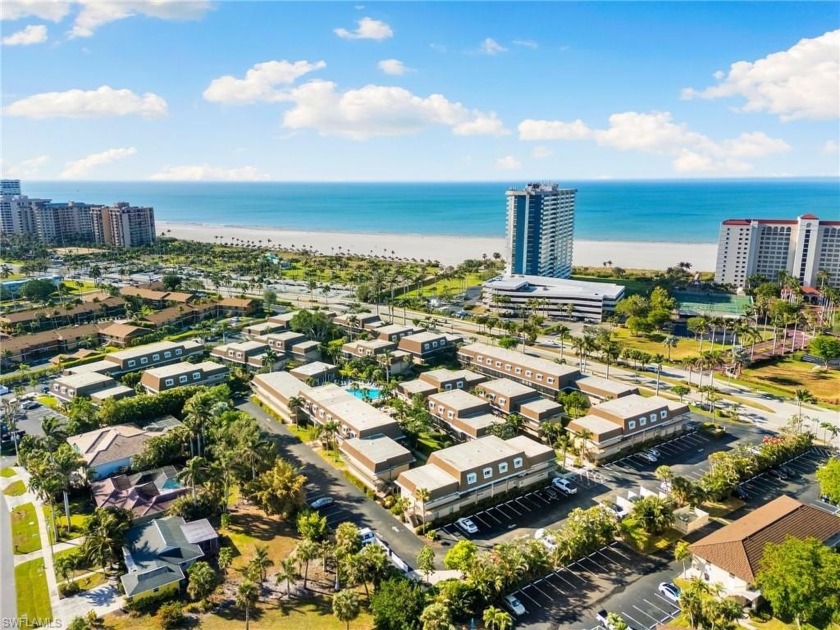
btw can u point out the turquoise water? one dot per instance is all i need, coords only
(684, 211)
(373, 393)
(172, 484)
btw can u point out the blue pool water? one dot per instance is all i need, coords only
(372, 392)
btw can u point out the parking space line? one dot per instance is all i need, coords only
(509, 505)
(606, 557)
(553, 585)
(572, 574)
(646, 614)
(481, 520)
(542, 592)
(487, 513)
(638, 623)
(522, 593)
(541, 498)
(655, 606)
(501, 511)
(614, 549)
(600, 569)
(533, 504)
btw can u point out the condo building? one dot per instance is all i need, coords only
(123, 225)
(540, 230)
(802, 247)
(552, 297)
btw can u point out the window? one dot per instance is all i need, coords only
(503, 468)
(460, 384)
(71, 392)
(144, 360)
(472, 478)
(663, 414)
(507, 367)
(487, 472)
(653, 417)
(528, 373)
(169, 382)
(517, 462)
(450, 414)
(183, 378)
(131, 362)
(517, 371)
(498, 364)
(642, 421)
(167, 355)
(434, 344)
(631, 425)
(178, 352)
(539, 377)
(196, 376)
(550, 380)
(155, 357)
(432, 405)
(440, 408)
(448, 386)
(425, 346)
(501, 401)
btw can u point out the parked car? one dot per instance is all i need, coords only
(655, 452)
(551, 494)
(564, 486)
(30, 404)
(515, 605)
(665, 486)
(616, 509)
(317, 504)
(601, 616)
(467, 525)
(367, 536)
(740, 493)
(669, 591)
(648, 456)
(45, 389)
(4, 390)
(545, 538)
(778, 473)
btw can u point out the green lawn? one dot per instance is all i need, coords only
(49, 401)
(631, 287)
(79, 511)
(15, 489)
(25, 534)
(450, 286)
(33, 597)
(7, 472)
(783, 377)
(76, 572)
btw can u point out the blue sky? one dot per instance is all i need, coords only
(170, 89)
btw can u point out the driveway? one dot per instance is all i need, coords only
(8, 597)
(351, 504)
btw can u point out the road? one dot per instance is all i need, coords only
(8, 596)
(360, 510)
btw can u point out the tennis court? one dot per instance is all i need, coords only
(712, 304)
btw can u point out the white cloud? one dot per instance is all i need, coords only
(491, 47)
(508, 163)
(260, 82)
(27, 168)
(375, 110)
(540, 152)
(530, 129)
(392, 66)
(52, 10)
(831, 147)
(438, 48)
(527, 43)
(657, 133)
(98, 103)
(368, 29)
(32, 34)
(96, 13)
(205, 172)
(801, 82)
(79, 168)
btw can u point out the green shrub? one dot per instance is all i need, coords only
(171, 615)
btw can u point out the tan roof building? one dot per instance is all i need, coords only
(33, 346)
(736, 550)
(98, 387)
(248, 354)
(543, 375)
(604, 389)
(355, 417)
(183, 373)
(111, 449)
(377, 461)
(316, 373)
(121, 335)
(275, 389)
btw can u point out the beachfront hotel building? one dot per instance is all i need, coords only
(552, 297)
(540, 230)
(801, 247)
(120, 225)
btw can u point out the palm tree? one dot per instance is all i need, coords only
(584, 435)
(609, 355)
(658, 360)
(69, 466)
(260, 563)
(305, 552)
(287, 573)
(295, 404)
(669, 342)
(247, 596)
(105, 531)
(682, 552)
(803, 396)
(422, 495)
(496, 619)
(346, 606)
(562, 333)
(194, 473)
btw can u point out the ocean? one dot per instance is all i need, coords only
(675, 211)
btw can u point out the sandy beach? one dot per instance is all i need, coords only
(451, 250)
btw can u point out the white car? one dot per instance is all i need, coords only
(619, 511)
(515, 605)
(467, 525)
(669, 591)
(648, 456)
(655, 452)
(546, 539)
(367, 536)
(564, 486)
(317, 504)
(4, 390)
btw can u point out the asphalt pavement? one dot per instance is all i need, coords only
(8, 596)
(351, 504)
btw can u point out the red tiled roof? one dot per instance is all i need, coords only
(736, 222)
(739, 547)
(810, 217)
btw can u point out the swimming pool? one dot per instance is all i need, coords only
(359, 392)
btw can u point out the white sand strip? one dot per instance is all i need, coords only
(449, 250)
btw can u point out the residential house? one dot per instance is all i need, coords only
(617, 424)
(254, 331)
(251, 355)
(36, 346)
(98, 387)
(385, 353)
(183, 373)
(180, 316)
(393, 332)
(147, 495)
(153, 355)
(158, 299)
(56, 316)
(458, 477)
(543, 375)
(232, 306)
(276, 389)
(376, 461)
(508, 397)
(109, 450)
(316, 373)
(439, 380)
(358, 322)
(427, 346)
(731, 556)
(292, 345)
(158, 553)
(282, 320)
(462, 414)
(600, 389)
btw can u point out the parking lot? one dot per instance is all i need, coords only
(671, 451)
(506, 516)
(335, 513)
(568, 595)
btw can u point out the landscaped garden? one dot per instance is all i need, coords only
(783, 377)
(15, 489)
(25, 535)
(33, 601)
